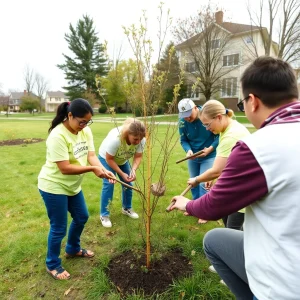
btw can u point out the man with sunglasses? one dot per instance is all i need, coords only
(263, 175)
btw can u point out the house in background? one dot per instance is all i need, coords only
(53, 99)
(245, 43)
(15, 100)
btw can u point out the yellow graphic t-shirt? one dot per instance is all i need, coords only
(63, 145)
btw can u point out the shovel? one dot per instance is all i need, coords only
(125, 184)
(168, 209)
(189, 157)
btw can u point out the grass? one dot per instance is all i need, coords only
(25, 228)
(240, 117)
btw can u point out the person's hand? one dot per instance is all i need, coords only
(180, 203)
(189, 153)
(208, 185)
(126, 177)
(103, 173)
(110, 176)
(132, 175)
(205, 152)
(192, 181)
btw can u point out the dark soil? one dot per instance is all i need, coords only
(20, 142)
(128, 272)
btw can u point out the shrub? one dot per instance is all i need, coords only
(102, 109)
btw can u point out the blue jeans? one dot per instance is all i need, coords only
(196, 168)
(57, 209)
(225, 250)
(108, 189)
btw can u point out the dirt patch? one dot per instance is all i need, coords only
(128, 272)
(20, 142)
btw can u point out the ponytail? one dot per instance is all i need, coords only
(61, 115)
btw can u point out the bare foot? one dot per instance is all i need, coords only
(201, 221)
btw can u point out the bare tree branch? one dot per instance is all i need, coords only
(41, 85)
(29, 79)
(283, 18)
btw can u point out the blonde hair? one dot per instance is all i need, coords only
(133, 127)
(212, 108)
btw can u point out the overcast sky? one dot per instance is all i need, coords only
(32, 31)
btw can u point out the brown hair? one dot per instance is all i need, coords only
(133, 127)
(212, 108)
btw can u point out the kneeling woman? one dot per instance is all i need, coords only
(120, 144)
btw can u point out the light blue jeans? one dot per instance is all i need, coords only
(57, 209)
(196, 168)
(225, 250)
(108, 189)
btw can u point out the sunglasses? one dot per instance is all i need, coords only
(240, 104)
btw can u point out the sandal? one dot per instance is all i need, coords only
(82, 253)
(59, 270)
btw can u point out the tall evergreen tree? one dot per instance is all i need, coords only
(170, 64)
(88, 61)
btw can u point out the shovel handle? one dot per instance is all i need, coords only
(168, 209)
(125, 184)
(188, 157)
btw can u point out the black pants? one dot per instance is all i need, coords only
(234, 221)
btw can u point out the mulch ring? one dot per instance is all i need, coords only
(20, 142)
(128, 272)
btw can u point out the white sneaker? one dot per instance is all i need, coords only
(105, 221)
(212, 269)
(130, 213)
(223, 282)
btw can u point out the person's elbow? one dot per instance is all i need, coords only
(64, 170)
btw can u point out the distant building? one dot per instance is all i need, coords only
(53, 99)
(236, 57)
(15, 100)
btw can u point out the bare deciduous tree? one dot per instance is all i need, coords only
(283, 24)
(41, 87)
(204, 42)
(29, 79)
(143, 93)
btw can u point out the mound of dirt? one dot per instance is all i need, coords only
(24, 141)
(128, 272)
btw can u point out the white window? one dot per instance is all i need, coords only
(215, 44)
(190, 67)
(231, 60)
(193, 94)
(248, 39)
(229, 87)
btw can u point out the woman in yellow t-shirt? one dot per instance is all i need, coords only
(70, 154)
(216, 118)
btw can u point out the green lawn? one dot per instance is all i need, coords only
(25, 227)
(160, 118)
